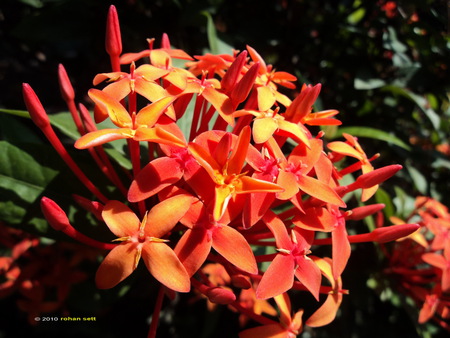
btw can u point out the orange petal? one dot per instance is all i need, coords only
(118, 89)
(120, 219)
(150, 114)
(116, 112)
(344, 149)
(288, 181)
(116, 266)
(319, 190)
(266, 98)
(150, 73)
(327, 312)
(165, 266)
(265, 331)
(205, 160)
(294, 131)
(234, 248)
(221, 102)
(257, 58)
(249, 184)
(158, 135)
(263, 129)
(278, 278)
(165, 215)
(98, 137)
(435, 260)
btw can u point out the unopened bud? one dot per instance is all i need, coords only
(243, 87)
(55, 216)
(65, 85)
(375, 177)
(113, 41)
(220, 295)
(34, 107)
(393, 232)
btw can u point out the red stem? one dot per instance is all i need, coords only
(156, 312)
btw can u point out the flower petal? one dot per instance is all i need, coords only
(116, 112)
(192, 249)
(308, 273)
(120, 219)
(234, 248)
(155, 176)
(165, 266)
(98, 137)
(265, 331)
(319, 190)
(278, 278)
(165, 215)
(263, 129)
(150, 114)
(116, 266)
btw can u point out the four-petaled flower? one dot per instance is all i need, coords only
(144, 239)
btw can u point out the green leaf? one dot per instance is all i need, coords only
(403, 202)
(216, 45)
(372, 133)
(22, 180)
(356, 16)
(418, 179)
(381, 196)
(64, 123)
(368, 83)
(420, 101)
(20, 113)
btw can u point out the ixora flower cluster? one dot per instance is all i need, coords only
(248, 175)
(420, 263)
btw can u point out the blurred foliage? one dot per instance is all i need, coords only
(383, 64)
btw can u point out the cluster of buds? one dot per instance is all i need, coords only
(43, 275)
(421, 262)
(248, 174)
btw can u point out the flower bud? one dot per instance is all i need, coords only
(113, 41)
(220, 295)
(65, 86)
(55, 216)
(34, 107)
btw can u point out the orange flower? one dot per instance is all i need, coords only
(140, 80)
(291, 260)
(353, 148)
(268, 122)
(144, 238)
(288, 327)
(225, 170)
(138, 127)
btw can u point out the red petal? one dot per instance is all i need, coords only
(192, 249)
(308, 273)
(154, 177)
(341, 250)
(278, 278)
